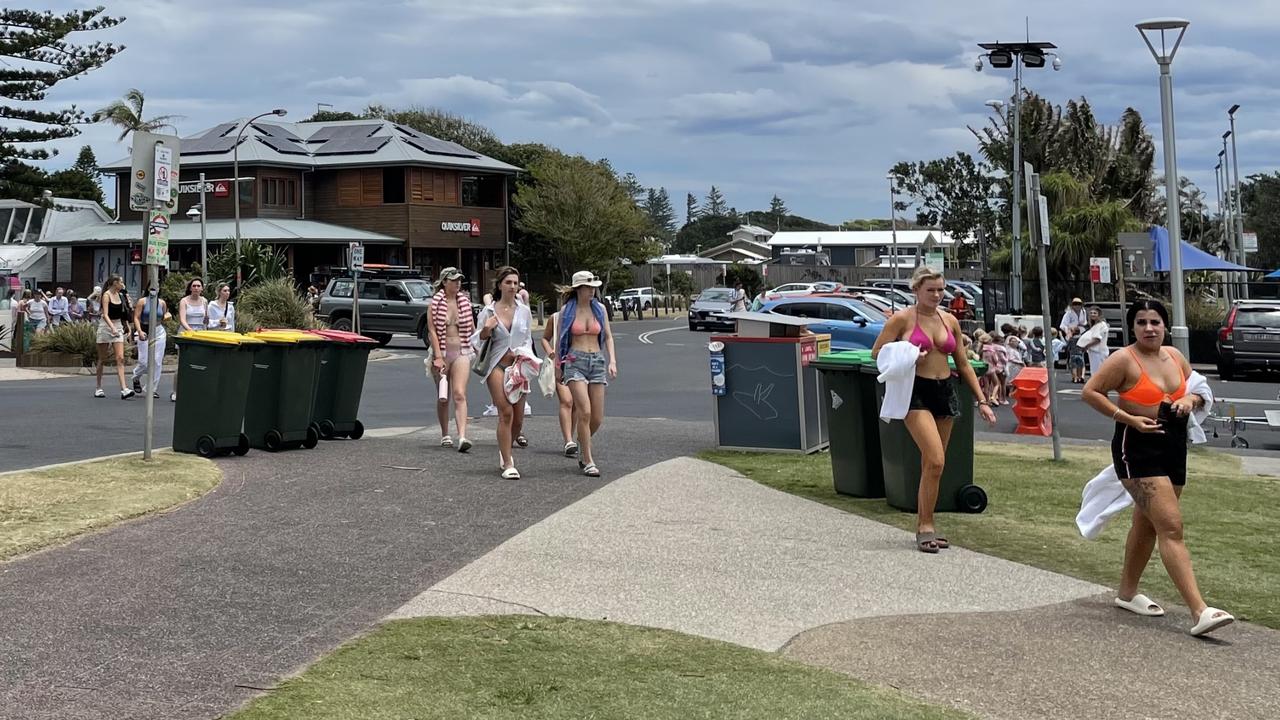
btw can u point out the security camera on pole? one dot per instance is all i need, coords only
(153, 191)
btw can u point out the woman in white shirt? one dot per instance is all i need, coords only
(505, 326)
(222, 312)
(193, 313)
(1094, 340)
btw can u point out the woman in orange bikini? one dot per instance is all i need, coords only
(934, 403)
(1149, 452)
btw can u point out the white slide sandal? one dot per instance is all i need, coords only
(1211, 619)
(1141, 605)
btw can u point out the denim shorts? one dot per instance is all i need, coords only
(588, 367)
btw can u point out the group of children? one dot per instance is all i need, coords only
(1008, 351)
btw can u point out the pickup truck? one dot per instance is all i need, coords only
(387, 306)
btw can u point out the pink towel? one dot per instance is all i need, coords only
(517, 379)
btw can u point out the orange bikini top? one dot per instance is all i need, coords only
(1146, 392)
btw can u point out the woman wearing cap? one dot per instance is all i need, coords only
(452, 323)
(505, 328)
(585, 360)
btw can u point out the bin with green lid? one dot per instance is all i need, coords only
(900, 458)
(282, 390)
(340, 383)
(213, 368)
(849, 396)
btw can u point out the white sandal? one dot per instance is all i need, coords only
(1211, 619)
(511, 473)
(463, 444)
(1140, 605)
(446, 441)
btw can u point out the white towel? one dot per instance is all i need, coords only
(897, 365)
(1104, 495)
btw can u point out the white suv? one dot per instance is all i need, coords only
(647, 297)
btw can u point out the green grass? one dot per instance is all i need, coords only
(44, 507)
(1230, 528)
(533, 668)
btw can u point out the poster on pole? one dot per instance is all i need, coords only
(1043, 214)
(1100, 270)
(163, 174)
(142, 184)
(158, 237)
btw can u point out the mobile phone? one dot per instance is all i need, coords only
(1165, 414)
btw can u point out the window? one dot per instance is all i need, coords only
(392, 186)
(371, 291)
(1258, 317)
(418, 290)
(482, 191)
(279, 192)
(840, 312)
(341, 288)
(805, 310)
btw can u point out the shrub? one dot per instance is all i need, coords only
(76, 338)
(260, 263)
(1205, 314)
(274, 304)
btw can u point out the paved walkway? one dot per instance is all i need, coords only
(694, 547)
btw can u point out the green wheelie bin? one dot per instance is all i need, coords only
(213, 372)
(340, 383)
(282, 390)
(849, 395)
(900, 459)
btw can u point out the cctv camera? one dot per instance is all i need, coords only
(977, 65)
(1057, 63)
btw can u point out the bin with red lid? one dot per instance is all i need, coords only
(340, 383)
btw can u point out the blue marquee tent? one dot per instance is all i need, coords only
(1193, 258)
(1273, 275)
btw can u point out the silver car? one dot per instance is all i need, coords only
(703, 313)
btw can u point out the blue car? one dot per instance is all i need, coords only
(852, 324)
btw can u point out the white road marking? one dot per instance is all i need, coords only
(644, 337)
(675, 344)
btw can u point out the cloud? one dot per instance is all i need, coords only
(340, 85)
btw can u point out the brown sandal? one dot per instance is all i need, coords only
(927, 542)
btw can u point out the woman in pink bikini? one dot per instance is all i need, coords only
(585, 360)
(451, 326)
(934, 403)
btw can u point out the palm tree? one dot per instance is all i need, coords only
(126, 114)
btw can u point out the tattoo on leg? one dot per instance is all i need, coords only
(1142, 490)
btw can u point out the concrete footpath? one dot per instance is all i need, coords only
(694, 547)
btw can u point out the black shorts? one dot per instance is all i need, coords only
(1138, 454)
(936, 396)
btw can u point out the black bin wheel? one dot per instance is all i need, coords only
(206, 446)
(971, 499)
(313, 438)
(357, 431)
(326, 429)
(273, 440)
(242, 445)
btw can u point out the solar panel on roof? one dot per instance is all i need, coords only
(409, 131)
(276, 131)
(343, 145)
(282, 145)
(436, 146)
(331, 132)
(208, 145)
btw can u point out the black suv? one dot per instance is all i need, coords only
(1251, 337)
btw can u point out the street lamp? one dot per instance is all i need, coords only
(893, 213)
(1164, 58)
(235, 164)
(198, 214)
(1238, 207)
(1016, 55)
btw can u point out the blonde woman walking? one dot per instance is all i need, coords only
(451, 325)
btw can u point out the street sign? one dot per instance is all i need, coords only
(142, 185)
(158, 238)
(1100, 270)
(357, 256)
(1044, 220)
(1251, 242)
(163, 174)
(935, 260)
(221, 189)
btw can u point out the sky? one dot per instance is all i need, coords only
(813, 100)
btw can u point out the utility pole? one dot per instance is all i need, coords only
(1239, 203)
(1040, 231)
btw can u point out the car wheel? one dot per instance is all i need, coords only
(342, 323)
(648, 307)
(383, 339)
(1226, 371)
(693, 327)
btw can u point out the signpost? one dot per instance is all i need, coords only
(153, 191)
(357, 264)
(1099, 273)
(1041, 210)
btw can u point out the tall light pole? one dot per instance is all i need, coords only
(235, 172)
(1239, 207)
(1222, 217)
(893, 213)
(1015, 55)
(1164, 58)
(1230, 227)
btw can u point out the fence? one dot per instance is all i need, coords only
(705, 276)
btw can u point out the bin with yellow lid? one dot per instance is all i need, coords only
(213, 371)
(282, 390)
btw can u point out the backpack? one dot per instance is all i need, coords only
(1037, 350)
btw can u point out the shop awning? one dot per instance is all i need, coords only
(183, 232)
(1193, 258)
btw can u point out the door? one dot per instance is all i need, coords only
(847, 327)
(373, 309)
(400, 312)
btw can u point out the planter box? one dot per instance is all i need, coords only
(51, 359)
(1204, 346)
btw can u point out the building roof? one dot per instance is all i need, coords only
(753, 229)
(18, 259)
(220, 231)
(314, 145)
(684, 260)
(866, 238)
(740, 244)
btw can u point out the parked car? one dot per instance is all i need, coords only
(894, 295)
(1250, 339)
(879, 302)
(703, 313)
(387, 306)
(647, 297)
(828, 287)
(852, 325)
(790, 290)
(905, 286)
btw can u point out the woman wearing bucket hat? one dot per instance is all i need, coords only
(450, 325)
(507, 362)
(585, 360)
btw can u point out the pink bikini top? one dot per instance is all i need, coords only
(921, 339)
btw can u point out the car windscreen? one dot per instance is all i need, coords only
(1259, 317)
(715, 296)
(418, 289)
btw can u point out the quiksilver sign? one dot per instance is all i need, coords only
(472, 228)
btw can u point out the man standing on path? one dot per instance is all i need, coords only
(59, 308)
(1074, 322)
